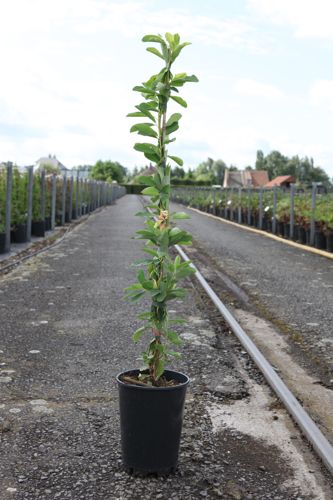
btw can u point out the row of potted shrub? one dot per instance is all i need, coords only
(40, 224)
(227, 204)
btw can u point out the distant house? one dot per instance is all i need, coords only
(281, 181)
(151, 170)
(51, 161)
(245, 178)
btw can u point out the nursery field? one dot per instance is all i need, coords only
(302, 216)
(288, 286)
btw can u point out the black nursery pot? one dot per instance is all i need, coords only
(151, 423)
(2, 242)
(329, 242)
(19, 234)
(301, 235)
(38, 228)
(320, 240)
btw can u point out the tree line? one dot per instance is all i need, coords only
(210, 171)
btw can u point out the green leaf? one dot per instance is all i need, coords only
(175, 117)
(143, 90)
(144, 129)
(135, 286)
(145, 112)
(146, 147)
(170, 39)
(146, 179)
(136, 114)
(178, 49)
(172, 128)
(180, 215)
(153, 38)
(155, 51)
(176, 159)
(159, 369)
(136, 296)
(150, 191)
(173, 337)
(179, 100)
(138, 334)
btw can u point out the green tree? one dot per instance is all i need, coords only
(178, 172)
(108, 171)
(260, 161)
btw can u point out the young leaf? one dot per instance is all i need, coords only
(153, 50)
(172, 128)
(136, 114)
(175, 117)
(146, 147)
(146, 179)
(176, 159)
(138, 334)
(144, 129)
(179, 100)
(150, 191)
(178, 49)
(153, 38)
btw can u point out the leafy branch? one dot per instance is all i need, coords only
(159, 279)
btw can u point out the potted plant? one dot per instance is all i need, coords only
(2, 210)
(38, 223)
(19, 207)
(152, 398)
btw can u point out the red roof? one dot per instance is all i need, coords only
(259, 177)
(281, 179)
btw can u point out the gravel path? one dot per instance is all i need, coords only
(291, 286)
(65, 333)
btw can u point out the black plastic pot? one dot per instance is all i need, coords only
(47, 223)
(329, 242)
(151, 422)
(2, 242)
(280, 228)
(38, 228)
(301, 235)
(320, 240)
(19, 234)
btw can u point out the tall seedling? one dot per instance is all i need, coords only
(162, 272)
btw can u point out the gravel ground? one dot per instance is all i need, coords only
(291, 287)
(65, 333)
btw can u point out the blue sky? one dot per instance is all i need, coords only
(68, 67)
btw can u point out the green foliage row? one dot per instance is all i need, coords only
(206, 200)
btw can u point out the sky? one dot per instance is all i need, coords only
(68, 68)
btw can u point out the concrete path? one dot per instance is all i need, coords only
(65, 332)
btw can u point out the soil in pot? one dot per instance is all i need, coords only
(2, 242)
(38, 228)
(151, 422)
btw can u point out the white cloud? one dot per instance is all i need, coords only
(309, 18)
(252, 88)
(321, 93)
